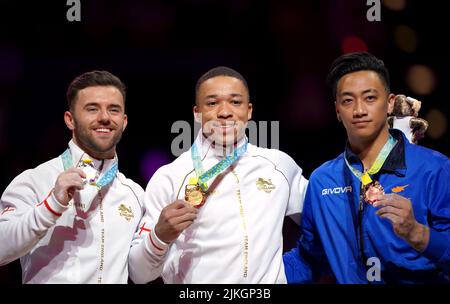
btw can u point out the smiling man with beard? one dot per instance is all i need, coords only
(72, 219)
(220, 206)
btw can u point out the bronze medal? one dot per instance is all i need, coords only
(371, 191)
(194, 195)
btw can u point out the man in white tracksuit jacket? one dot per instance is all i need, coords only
(235, 234)
(72, 219)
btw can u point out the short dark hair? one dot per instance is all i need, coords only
(91, 79)
(220, 71)
(354, 62)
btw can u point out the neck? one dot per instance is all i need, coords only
(96, 154)
(368, 149)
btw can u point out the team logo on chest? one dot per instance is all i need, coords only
(127, 213)
(265, 185)
(398, 189)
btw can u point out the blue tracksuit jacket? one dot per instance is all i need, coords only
(357, 246)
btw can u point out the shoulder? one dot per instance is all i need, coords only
(37, 180)
(178, 168)
(328, 168)
(280, 160)
(277, 157)
(45, 171)
(428, 164)
(129, 183)
(418, 154)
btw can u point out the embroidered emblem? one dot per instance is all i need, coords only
(127, 213)
(265, 185)
(398, 189)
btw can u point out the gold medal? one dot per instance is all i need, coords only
(371, 191)
(194, 194)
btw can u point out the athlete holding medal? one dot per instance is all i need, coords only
(229, 199)
(72, 218)
(391, 222)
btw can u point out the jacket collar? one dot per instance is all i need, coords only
(395, 162)
(78, 154)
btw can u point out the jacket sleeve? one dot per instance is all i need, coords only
(297, 185)
(147, 253)
(438, 249)
(307, 262)
(27, 211)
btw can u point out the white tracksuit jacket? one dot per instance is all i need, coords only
(78, 246)
(237, 236)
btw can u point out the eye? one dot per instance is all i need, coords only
(236, 102)
(115, 110)
(91, 109)
(371, 98)
(211, 103)
(346, 101)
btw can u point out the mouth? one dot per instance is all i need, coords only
(360, 123)
(103, 131)
(225, 127)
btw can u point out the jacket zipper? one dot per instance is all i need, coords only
(360, 226)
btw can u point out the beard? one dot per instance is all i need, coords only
(86, 139)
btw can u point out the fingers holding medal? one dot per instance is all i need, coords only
(174, 219)
(399, 211)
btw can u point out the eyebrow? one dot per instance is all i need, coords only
(370, 90)
(232, 95)
(96, 104)
(363, 92)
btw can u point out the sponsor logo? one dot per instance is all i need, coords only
(336, 190)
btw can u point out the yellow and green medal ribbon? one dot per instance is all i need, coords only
(203, 177)
(366, 178)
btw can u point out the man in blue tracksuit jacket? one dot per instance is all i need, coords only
(380, 211)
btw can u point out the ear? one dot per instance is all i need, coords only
(197, 114)
(125, 122)
(338, 116)
(68, 119)
(391, 100)
(250, 111)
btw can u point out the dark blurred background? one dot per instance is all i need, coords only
(159, 49)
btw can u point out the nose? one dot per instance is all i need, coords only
(224, 111)
(359, 109)
(103, 117)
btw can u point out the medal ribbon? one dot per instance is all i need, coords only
(379, 161)
(107, 177)
(218, 168)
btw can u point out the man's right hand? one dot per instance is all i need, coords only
(173, 219)
(67, 183)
